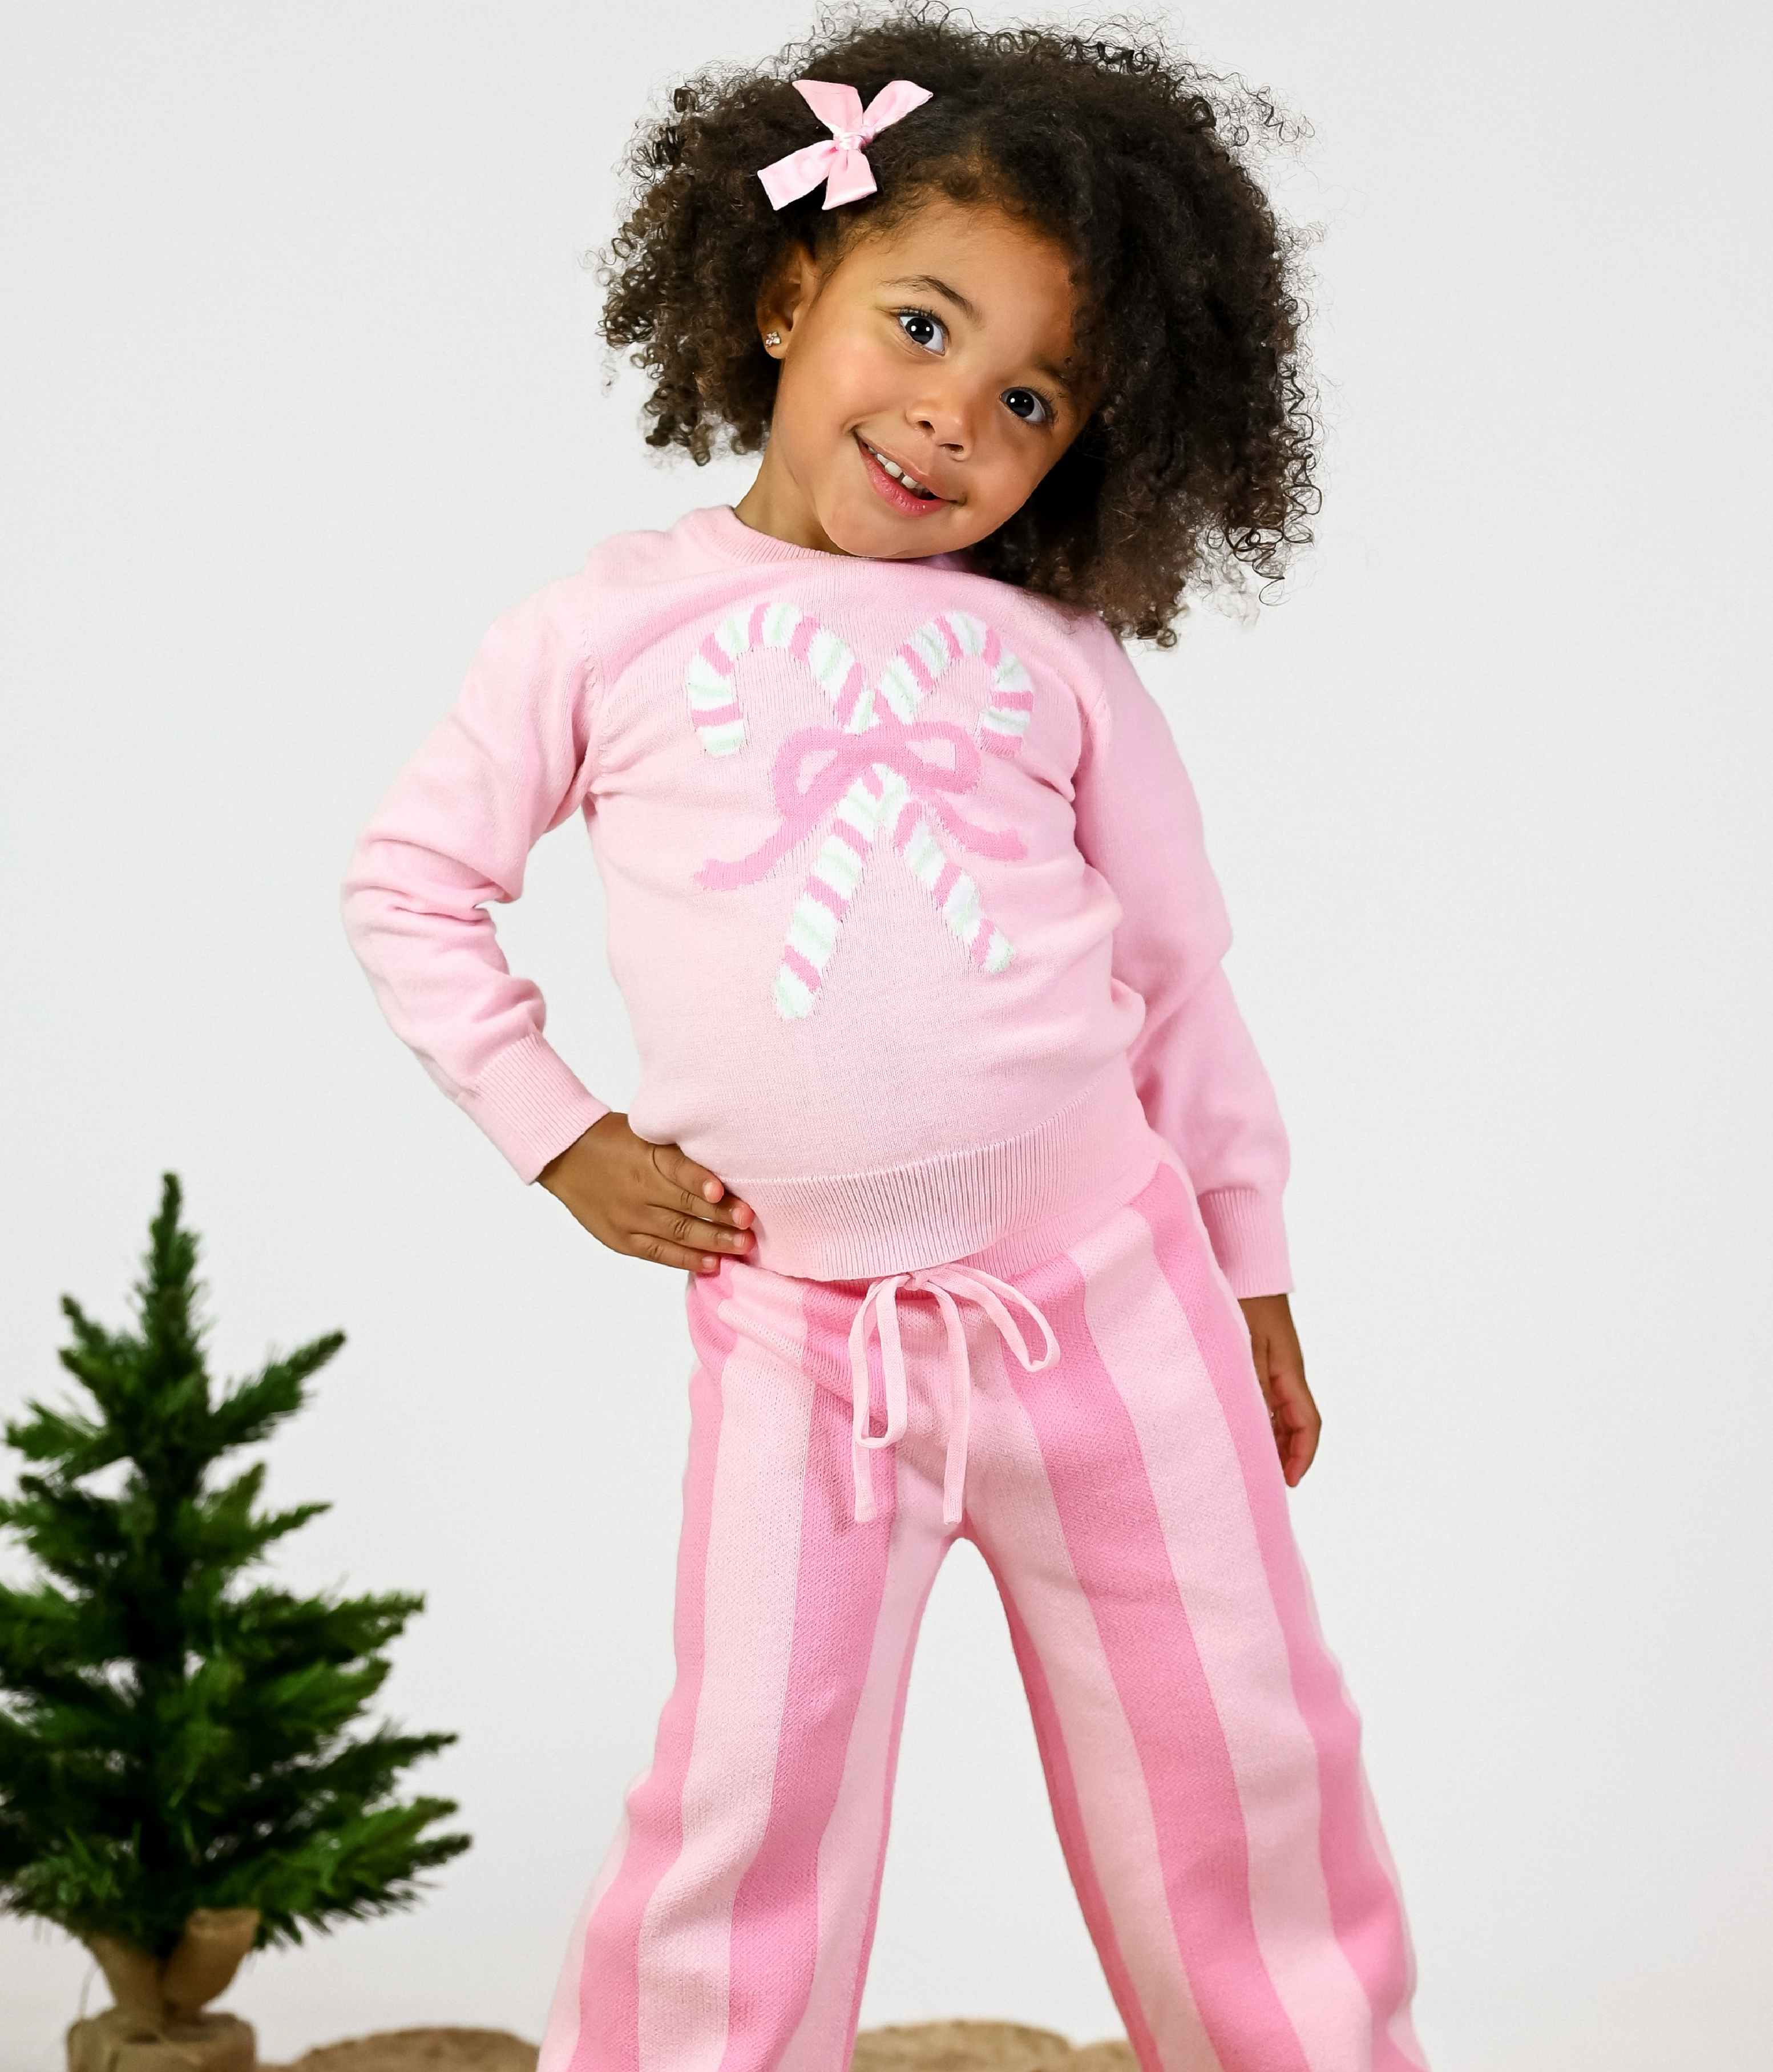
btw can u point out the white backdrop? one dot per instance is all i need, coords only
(302, 389)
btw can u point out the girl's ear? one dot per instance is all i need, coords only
(788, 293)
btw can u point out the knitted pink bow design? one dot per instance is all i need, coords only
(839, 161)
(879, 775)
(803, 800)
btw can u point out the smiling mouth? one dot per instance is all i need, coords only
(902, 476)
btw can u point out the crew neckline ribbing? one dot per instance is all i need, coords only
(719, 527)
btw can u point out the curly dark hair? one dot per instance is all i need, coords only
(1195, 466)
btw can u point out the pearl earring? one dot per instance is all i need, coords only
(773, 337)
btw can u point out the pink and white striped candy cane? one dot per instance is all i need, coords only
(912, 673)
(720, 722)
(823, 904)
(708, 682)
(934, 649)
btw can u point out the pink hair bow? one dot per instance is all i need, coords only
(839, 161)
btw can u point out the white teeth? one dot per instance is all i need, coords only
(897, 473)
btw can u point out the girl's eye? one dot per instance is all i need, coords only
(922, 329)
(1024, 404)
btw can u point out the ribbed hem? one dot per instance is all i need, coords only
(1248, 1240)
(531, 1105)
(1023, 1199)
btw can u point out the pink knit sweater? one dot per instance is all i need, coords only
(906, 899)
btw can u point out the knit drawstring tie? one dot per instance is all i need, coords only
(950, 1286)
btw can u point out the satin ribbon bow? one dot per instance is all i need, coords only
(838, 160)
(878, 1311)
(803, 801)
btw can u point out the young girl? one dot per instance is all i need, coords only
(945, 1104)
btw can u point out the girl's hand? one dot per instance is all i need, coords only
(1280, 1367)
(648, 1200)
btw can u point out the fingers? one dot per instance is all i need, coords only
(663, 1251)
(649, 1200)
(1280, 1368)
(693, 1189)
(1295, 1416)
(687, 1232)
(675, 1237)
(685, 1218)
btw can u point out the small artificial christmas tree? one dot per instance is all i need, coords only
(178, 1780)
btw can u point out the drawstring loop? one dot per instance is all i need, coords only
(950, 1285)
(880, 1298)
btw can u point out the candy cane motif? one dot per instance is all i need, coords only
(708, 682)
(913, 673)
(933, 649)
(879, 800)
(824, 901)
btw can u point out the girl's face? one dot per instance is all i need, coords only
(929, 380)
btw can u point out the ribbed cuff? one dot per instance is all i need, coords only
(531, 1105)
(1248, 1240)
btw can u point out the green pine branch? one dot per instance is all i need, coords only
(173, 1733)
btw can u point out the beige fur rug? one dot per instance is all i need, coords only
(931, 2046)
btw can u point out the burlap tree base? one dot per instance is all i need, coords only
(158, 2023)
(933, 2046)
(114, 2041)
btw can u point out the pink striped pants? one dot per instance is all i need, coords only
(1202, 1758)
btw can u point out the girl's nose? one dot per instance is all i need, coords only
(945, 417)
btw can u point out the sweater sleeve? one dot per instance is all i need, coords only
(1202, 1085)
(513, 759)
